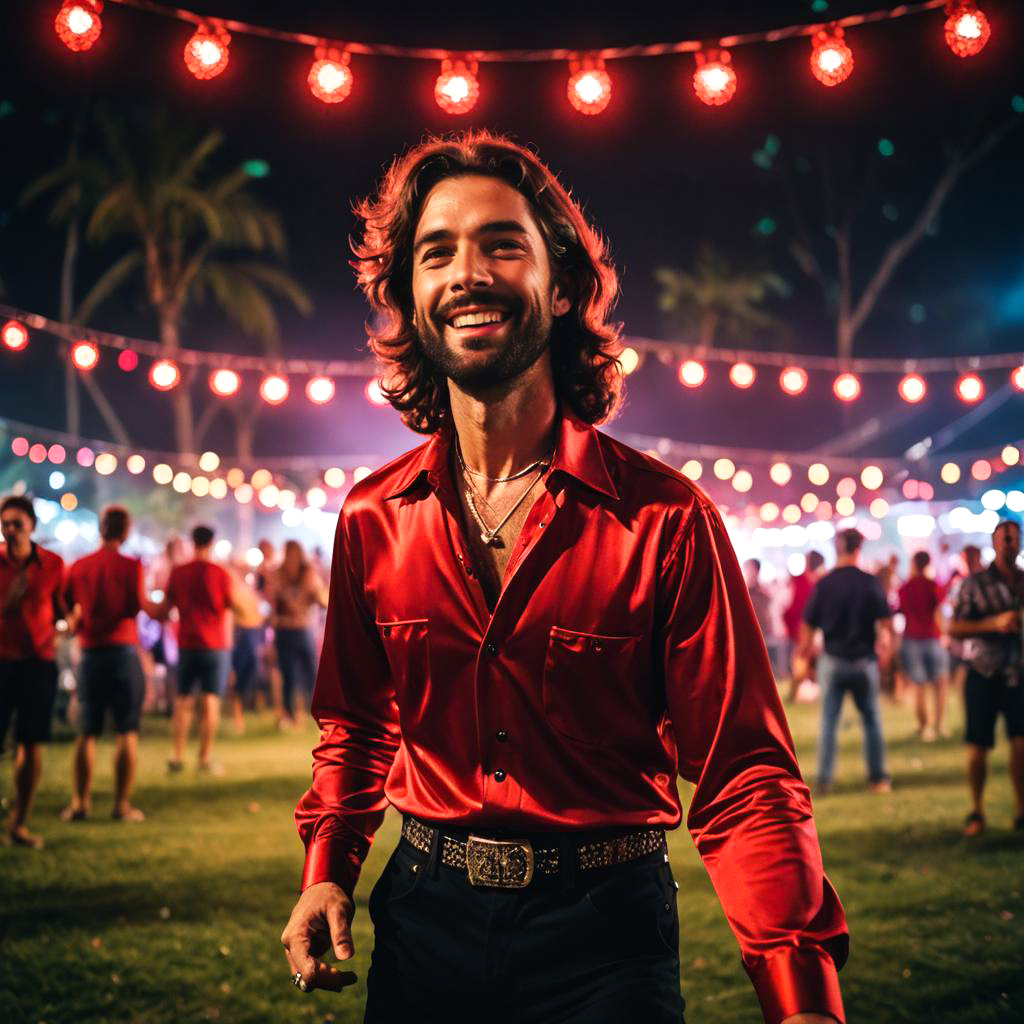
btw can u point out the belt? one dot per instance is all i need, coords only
(512, 863)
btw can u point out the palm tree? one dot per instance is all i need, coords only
(192, 232)
(716, 296)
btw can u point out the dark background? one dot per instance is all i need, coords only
(658, 173)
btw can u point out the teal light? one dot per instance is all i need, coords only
(772, 144)
(7, 108)
(890, 211)
(885, 147)
(256, 168)
(1018, 104)
(766, 226)
(762, 160)
(917, 313)
(819, 5)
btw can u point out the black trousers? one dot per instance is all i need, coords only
(600, 948)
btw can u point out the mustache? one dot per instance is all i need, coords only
(471, 299)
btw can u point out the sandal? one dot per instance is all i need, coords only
(74, 814)
(974, 824)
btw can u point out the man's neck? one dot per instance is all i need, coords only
(503, 433)
(112, 545)
(846, 561)
(1008, 569)
(19, 552)
(202, 554)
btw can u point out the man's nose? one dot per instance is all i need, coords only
(469, 269)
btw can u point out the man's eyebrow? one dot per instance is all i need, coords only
(490, 228)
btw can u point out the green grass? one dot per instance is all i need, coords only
(177, 919)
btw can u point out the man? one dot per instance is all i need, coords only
(531, 629)
(106, 591)
(203, 594)
(245, 645)
(924, 659)
(31, 579)
(761, 601)
(848, 606)
(799, 594)
(988, 610)
(970, 562)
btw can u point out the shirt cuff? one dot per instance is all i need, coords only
(799, 979)
(332, 859)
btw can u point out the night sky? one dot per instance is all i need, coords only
(658, 173)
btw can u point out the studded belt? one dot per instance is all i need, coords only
(512, 863)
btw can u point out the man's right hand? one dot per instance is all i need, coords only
(1006, 622)
(321, 920)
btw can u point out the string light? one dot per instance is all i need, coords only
(206, 53)
(85, 457)
(37, 453)
(209, 461)
(274, 389)
(457, 90)
(243, 494)
(793, 380)
(334, 477)
(15, 335)
(224, 382)
(218, 489)
(127, 360)
(845, 506)
(19, 446)
(724, 468)
(693, 469)
(692, 373)
(912, 388)
(330, 77)
(629, 360)
(846, 487)
(1017, 378)
(831, 58)
(375, 393)
(590, 86)
(879, 508)
(85, 355)
(780, 473)
(742, 481)
(769, 512)
(742, 375)
(68, 502)
(981, 469)
(967, 28)
(320, 390)
(164, 375)
(871, 477)
(950, 473)
(182, 482)
(78, 24)
(105, 463)
(714, 81)
(809, 502)
(818, 474)
(1010, 455)
(846, 387)
(970, 388)
(135, 464)
(57, 454)
(792, 514)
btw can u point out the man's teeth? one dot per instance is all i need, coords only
(476, 319)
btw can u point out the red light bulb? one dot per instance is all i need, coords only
(912, 388)
(831, 58)
(846, 387)
(714, 81)
(78, 23)
(85, 355)
(457, 90)
(967, 29)
(590, 86)
(15, 335)
(330, 78)
(970, 388)
(206, 53)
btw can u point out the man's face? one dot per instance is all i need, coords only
(1006, 542)
(16, 527)
(482, 286)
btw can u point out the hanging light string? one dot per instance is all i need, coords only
(536, 55)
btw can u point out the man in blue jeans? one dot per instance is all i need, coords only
(848, 606)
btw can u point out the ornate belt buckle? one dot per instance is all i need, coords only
(499, 863)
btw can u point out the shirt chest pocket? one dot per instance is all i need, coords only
(593, 686)
(407, 644)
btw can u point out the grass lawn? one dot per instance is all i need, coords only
(177, 919)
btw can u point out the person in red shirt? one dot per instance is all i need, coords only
(800, 667)
(105, 592)
(532, 629)
(202, 593)
(924, 659)
(31, 579)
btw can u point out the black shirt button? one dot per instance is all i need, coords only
(596, 645)
(501, 735)
(492, 649)
(499, 775)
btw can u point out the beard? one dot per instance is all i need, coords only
(528, 339)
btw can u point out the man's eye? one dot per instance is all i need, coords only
(433, 254)
(507, 243)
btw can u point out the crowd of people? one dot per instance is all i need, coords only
(185, 632)
(963, 633)
(177, 636)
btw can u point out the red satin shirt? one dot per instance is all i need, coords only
(109, 589)
(28, 627)
(623, 651)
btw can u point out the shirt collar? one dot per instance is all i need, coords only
(33, 555)
(577, 453)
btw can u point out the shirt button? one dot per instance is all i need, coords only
(386, 631)
(596, 645)
(501, 735)
(492, 649)
(499, 775)
(543, 523)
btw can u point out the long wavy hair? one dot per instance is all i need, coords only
(584, 345)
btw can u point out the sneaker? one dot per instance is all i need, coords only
(880, 786)
(173, 767)
(974, 824)
(71, 813)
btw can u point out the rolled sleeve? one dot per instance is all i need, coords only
(750, 816)
(354, 705)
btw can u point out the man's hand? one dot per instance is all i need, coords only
(810, 1018)
(320, 921)
(1006, 622)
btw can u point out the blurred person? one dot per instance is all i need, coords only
(761, 600)
(249, 630)
(162, 640)
(203, 594)
(890, 674)
(850, 609)
(105, 592)
(970, 562)
(801, 668)
(31, 602)
(264, 575)
(988, 611)
(924, 659)
(295, 590)
(532, 629)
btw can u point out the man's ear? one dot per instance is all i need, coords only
(562, 296)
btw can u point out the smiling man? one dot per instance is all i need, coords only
(532, 631)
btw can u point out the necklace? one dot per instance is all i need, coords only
(498, 479)
(488, 536)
